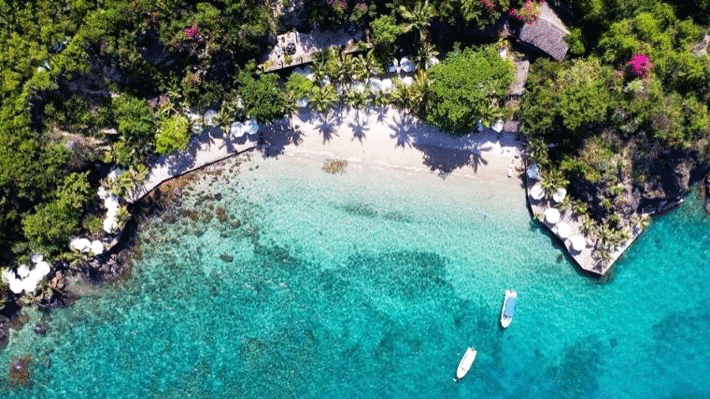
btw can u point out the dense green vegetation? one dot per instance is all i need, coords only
(112, 81)
(628, 118)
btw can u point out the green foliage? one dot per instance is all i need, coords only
(173, 134)
(93, 224)
(135, 124)
(52, 224)
(465, 86)
(568, 100)
(263, 99)
(384, 31)
(298, 86)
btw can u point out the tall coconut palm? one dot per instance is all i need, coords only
(426, 52)
(346, 69)
(324, 98)
(420, 90)
(418, 19)
(357, 99)
(367, 66)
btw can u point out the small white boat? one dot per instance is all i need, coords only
(465, 363)
(506, 314)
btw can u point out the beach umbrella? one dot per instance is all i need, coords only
(302, 103)
(236, 129)
(563, 230)
(408, 80)
(375, 85)
(36, 258)
(97, 247)
(498, 126)
(559, 194)
(80, 244)
(23, 271)
(406, 65)
(251, 126)
(386, 85)
(552, 215)
(536, 192)
(432, 61)
(533, 172)
(578, 243)
(210, 117)
(394, 67)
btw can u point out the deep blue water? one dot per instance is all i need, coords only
(371, 285)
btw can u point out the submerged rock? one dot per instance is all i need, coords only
(20, 371)
(41, 329)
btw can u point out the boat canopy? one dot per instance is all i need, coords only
(509, 307)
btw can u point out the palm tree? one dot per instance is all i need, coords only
(551, 180)
(537, 152)
(367, 66)
(346, 69)
(357, 100)
(420, 90)
(418, 19)
(324, 98)
(426, 52)
(401, 95)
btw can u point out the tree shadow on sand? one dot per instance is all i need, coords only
(359, 129)
(277, 135)
(326, 125)
(442, 153)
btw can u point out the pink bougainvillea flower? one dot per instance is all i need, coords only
(639, 66)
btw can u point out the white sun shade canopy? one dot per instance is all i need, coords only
(552, 215)
(563, 230)
(578, 243)
(406, 64)
(536, 192)
(559, 194)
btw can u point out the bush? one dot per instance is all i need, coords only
(465, 88)
(173, 134)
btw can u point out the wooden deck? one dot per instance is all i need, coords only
(587, 258)
(308, 44)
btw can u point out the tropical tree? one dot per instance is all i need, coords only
(551, 180)
(423, 57)
(323, 98)
(418, 18)
(463, 87)
(420, 91)
(173, 134)
(367, 66)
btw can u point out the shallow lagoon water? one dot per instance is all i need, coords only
(372, 284)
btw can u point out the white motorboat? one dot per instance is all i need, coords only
(465, 363)
(506, 314)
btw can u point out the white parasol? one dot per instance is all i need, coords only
(251, 126)
(563, 230)
(406, 64)
(536, 192)
(552, 215)
(559, 194)
(578, 243)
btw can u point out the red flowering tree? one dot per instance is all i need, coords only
(639, 66)
(528, 13)
(193, 33)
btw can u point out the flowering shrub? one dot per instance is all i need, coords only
(488, 5)
(193, 33)
(528, 13)
(361, 6)
(339, 5)
(639, 66)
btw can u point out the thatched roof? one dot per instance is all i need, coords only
(547, 34)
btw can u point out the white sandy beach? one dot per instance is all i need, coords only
(377, 137)
(389, 139)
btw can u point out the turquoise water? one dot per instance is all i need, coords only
(372, 285)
